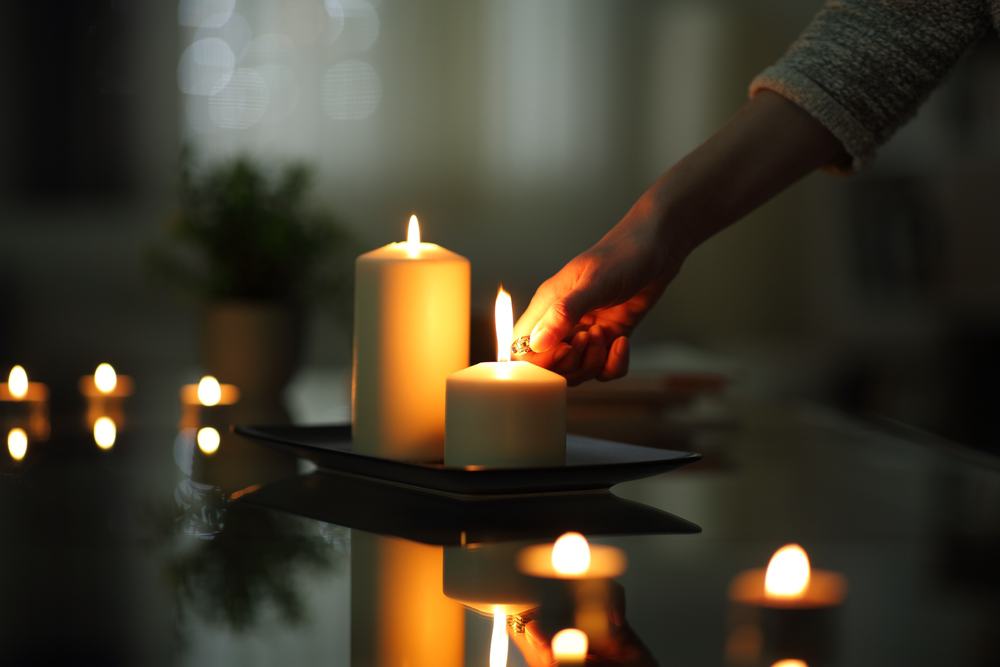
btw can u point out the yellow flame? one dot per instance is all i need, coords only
(503, 315)
(571, 554)
(790, 662)
(17, 382)
(105, 378)
(413, 237)
(105, 432)
(208, 440)
(787, 575)
(498, 642)
(570, 644)
(17, 443)
(209, 391)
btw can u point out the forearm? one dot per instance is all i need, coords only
(769, 144)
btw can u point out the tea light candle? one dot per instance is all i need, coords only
(505, 413)
(411, 330)
(105, 383)
(209, 392)
(20, 390)
(789, 582)
(572, 557)
(789, 607)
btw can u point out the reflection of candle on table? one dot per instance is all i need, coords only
(105, 432)
(17, 443)
(786, 609)
(569, 647)
(505, 413)
(411, 329)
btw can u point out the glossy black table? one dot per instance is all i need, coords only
(155, 553)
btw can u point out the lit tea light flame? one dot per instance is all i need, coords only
(503, 314)
(208, 440)
(209, 391)
(105, 432)
(498, 641)
(413, 237)
(790, 662)
(17, 443)
(571, 554)
(788, 573)
(17, 382)
(570, 645)
(105, 378)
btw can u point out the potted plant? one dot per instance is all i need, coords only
(246, 243)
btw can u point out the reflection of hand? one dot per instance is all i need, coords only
(621, 646)
(580, 318)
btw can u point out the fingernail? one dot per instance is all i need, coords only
(541, 338)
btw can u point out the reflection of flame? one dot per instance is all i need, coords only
(105, 378)
(570, 644)
(787, 573)
(571, 554)
(208, 440)
(105, 432)
(413, 237)
(790, 663)
(498, 642)
(503, 314)
(17, 382)
(209, 391)
(17, 443)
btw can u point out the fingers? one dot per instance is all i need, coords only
(560, 318)
(616, 365)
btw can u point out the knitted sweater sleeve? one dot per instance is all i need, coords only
(863, 67)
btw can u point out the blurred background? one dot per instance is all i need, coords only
(518, 131)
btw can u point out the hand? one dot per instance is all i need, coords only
(579, 319)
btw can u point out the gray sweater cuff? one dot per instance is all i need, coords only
(858, 142)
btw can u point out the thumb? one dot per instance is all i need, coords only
(561, 317)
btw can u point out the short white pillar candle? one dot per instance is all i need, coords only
(505, 413)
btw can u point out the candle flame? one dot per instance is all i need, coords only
(498, 641)
(790, 662)
(570, 644)
(787, 575)
(105, 378)
(503, 315)
(413, 237)
(17, 382)
(105, 432)
(571, 554)
(209, 391)
(208, 440)
(17, 443)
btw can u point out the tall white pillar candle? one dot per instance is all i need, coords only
(505, 413)
(411, 330)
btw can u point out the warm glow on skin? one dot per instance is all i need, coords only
(570, 644)
(105, 378)
(105, 432)
(413, 237)
(209, 391)
(208, 440)
(790, 663)
(503, 315)
(17, 382)
(17, 443)
(571, 554)
(498, 641)
(788, 573)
